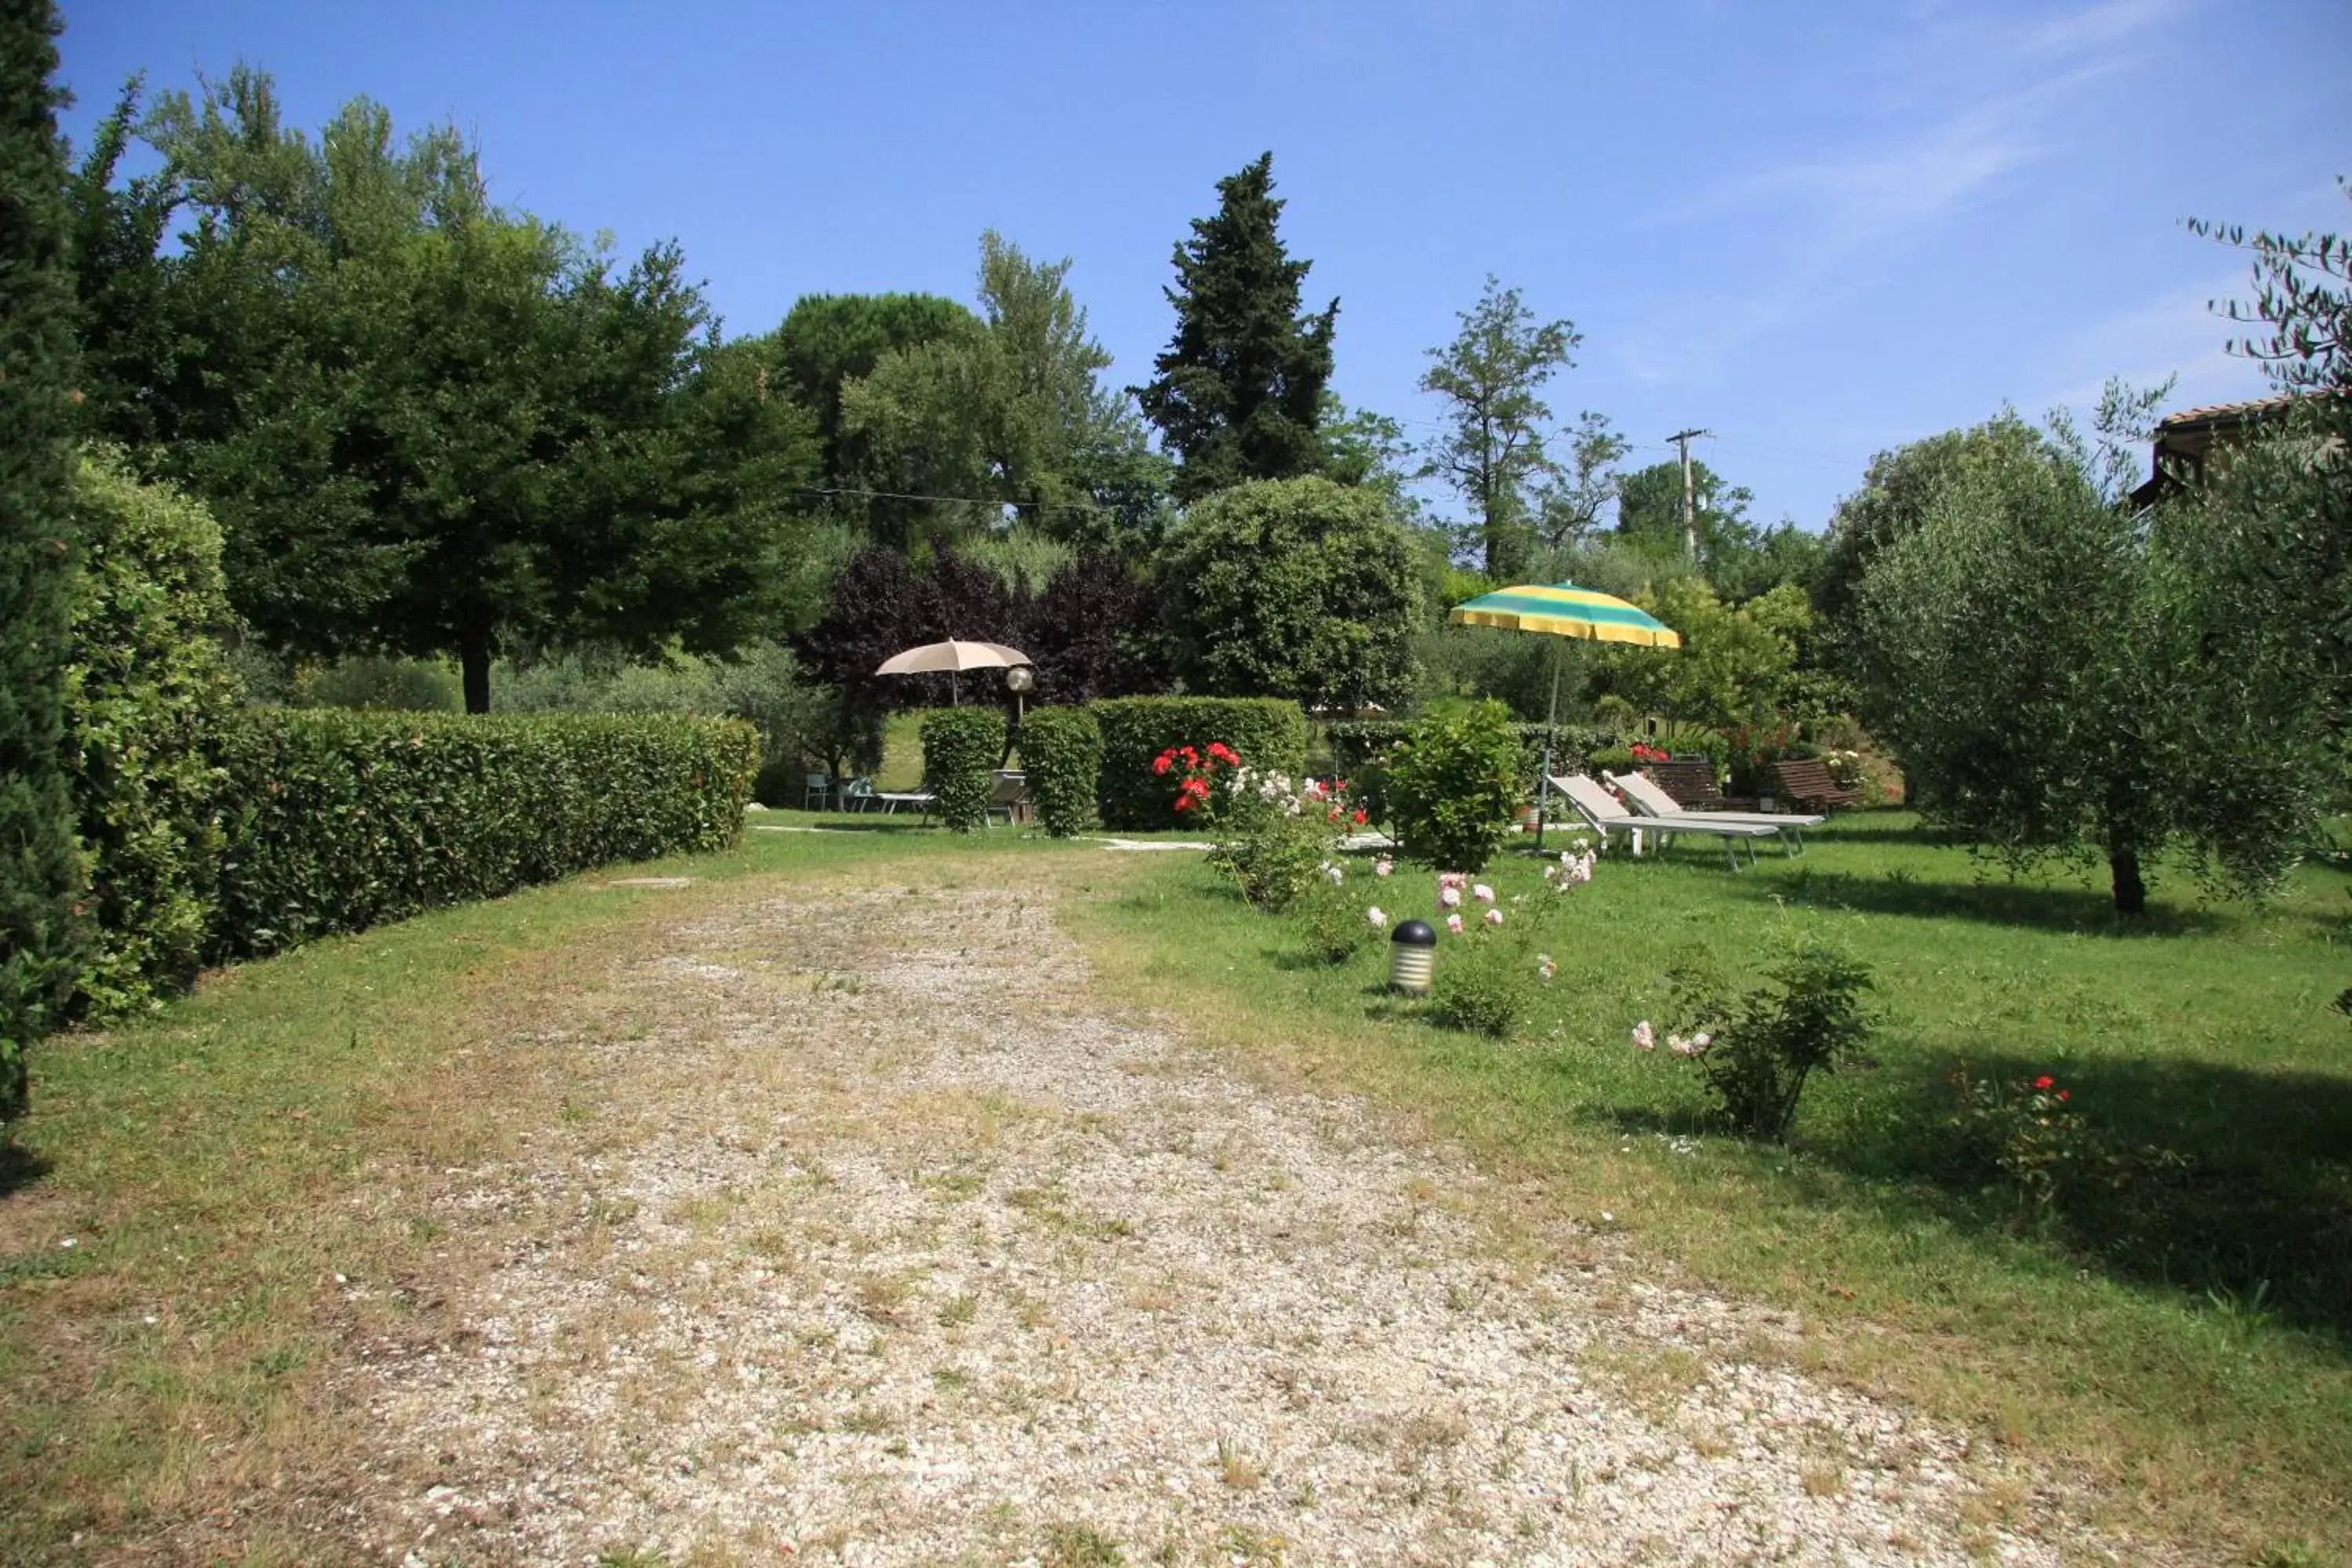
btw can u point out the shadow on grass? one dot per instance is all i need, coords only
(2075, 909)
(869, 822)
(2228, 1186)
(20, 1168)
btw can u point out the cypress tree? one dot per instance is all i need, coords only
(1240, 390)
(39, 866)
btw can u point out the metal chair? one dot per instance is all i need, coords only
(817, 790)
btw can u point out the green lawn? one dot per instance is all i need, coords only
(2184, 1345)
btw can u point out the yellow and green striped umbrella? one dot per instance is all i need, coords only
(1565, 610)
(1562, 610)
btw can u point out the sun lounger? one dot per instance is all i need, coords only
(1648, 800)
(1807, 783)
(892, 800)
(1606, 814)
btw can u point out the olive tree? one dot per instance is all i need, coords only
(2063, 676)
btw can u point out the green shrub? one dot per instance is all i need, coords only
(1335, 924)
(800, 721)
(1756, 1053)
(1481, 984)
(391, 684)
(1061, 752)
(1693, 740)
(1268, 732)
(1277, 859)
(1300, 588)
(1359, 750)
(146, 692)
(340, 820)
(1454, 786)
(961, 748)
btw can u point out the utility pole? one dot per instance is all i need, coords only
(1682, 438)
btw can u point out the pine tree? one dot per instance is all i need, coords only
(38, 868)
(1240, 390)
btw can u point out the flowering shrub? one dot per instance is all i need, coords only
(1846, 768)
(2034, 1136)
(1194, 773)
(1485, 981)
(1136, 731)
(1287, 836)
(2028, 1130)
(1755, 1052)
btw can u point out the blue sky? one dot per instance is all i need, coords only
(1818, 230)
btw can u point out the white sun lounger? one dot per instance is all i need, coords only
(1650, 800)
(1605, 815)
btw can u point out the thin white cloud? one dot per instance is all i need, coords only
(2172, 334)
(1843, 205)
(2115, 24)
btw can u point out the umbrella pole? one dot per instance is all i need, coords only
(1551, 734)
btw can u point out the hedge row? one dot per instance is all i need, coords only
(962, 747)
(148, 690)
(337, 821)
(1268, 731)
(1061, 749)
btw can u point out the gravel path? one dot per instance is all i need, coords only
(884, 1246)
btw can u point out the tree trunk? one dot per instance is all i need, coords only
(2131, 893)
(474, 655)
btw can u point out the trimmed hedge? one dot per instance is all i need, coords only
(146, 690)
(1061, 749)
(343, 820)
(1268, 732)
(962, 747)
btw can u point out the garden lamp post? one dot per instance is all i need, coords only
(1413, 956)
(1018, 680)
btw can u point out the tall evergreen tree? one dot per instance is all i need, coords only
(1240, 390)
(38, 868)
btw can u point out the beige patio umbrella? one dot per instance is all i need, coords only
(950, 657)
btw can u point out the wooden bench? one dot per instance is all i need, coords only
(1807, 783)
(1690, 780)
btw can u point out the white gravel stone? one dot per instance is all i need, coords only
(889, 1246)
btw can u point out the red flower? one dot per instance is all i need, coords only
(1332, 815)
(1360, 817)
(1183, 803)
(2065, 1094)
(2045, 1081)
(1198, 789)
(1160, 763)
(1223, 752)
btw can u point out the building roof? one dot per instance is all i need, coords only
(2233, 412)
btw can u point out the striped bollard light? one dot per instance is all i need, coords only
(1412, 954)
